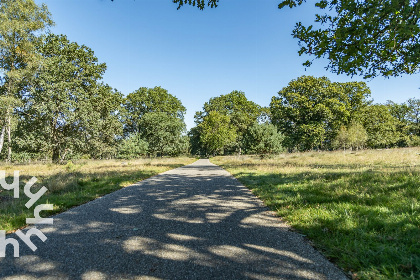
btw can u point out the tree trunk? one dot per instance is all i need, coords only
(3, 131)
(56, 154)
(9, 111)
(9, 138)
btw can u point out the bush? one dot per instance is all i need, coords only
(413, 141)
(132, 147)
(263, 139)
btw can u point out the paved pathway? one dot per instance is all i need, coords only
(193, 222)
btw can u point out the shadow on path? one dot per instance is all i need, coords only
(193, 222)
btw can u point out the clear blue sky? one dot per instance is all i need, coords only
(241, 45)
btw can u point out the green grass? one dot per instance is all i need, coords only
(74, 184)
(360, 209)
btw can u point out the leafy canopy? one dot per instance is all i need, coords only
(368, 38)
(263, 139)
(149, 100)
(201, 4)
(380, 126)
(310, 111)
(217, 132)
(242, 112)
(162, 131)
(66, 109)
(22, 23)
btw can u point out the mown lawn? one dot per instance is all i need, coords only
(74, 184)
(361, 209)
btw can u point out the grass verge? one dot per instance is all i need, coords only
(74, 184)
(361, 209)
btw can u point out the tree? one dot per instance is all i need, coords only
(65, 101)
(162, 131)
(342, 139)
(180, 147)
(357, 136)
(196, 147)
(21, 24)
(102, 126)
(263, 139)
(217, 132)
(241, 111)
(380, 126)
(354, 137)
(408, 121)
(400, 112)
(132, 147)
(414, 115)
(7, 119)
(201, 4)
(310, 111)
(367, 38)
(148, 100)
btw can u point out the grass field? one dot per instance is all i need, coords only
(361, 209)
(75, 183)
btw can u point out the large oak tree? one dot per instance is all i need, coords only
(66, 109)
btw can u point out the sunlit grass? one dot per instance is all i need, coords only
(75, 183)
(361, 209)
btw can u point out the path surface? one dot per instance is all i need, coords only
(193, 222)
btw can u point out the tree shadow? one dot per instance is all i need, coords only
(361, 219)
(182, 224)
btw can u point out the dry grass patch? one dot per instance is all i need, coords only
(75, 183)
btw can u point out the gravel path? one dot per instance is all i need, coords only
(193, 222)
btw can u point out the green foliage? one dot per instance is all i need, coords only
(149, 100)
(180, 147)
(201, 4)
(263, 139)
(407, 116)
(413, 141)
(21, 24)
(132, 147)
(413, 116)
(101, 122)
(310, 111)
(367, 38)
(242, 114)
(196, 147)
(163, 132)
(400, 113)
(354, 137)
(380, 126)
(66, 110)
(216, 132)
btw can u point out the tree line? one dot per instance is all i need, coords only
(54, 106)
(310, 113)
